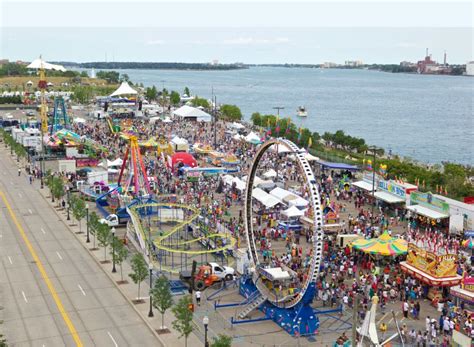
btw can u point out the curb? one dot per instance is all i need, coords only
(148, 324)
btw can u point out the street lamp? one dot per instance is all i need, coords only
(113, 250)
(150, 267)
(205, 321)
(68, 202)
(87, 222)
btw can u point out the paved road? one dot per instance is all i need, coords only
(52, 292)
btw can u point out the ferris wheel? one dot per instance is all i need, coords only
(294, 309)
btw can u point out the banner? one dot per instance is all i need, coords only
(429, 201)
(434, 265)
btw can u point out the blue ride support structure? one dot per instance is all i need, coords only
(60, 118)
(299, 320)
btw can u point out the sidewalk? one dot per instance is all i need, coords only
(129, 290)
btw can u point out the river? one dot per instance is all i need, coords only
(427, 118)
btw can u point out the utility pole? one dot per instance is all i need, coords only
(355, 310)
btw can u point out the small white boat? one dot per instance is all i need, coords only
(301, 112)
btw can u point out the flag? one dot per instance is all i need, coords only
(310, 142)
(277, 128)
(269, 129)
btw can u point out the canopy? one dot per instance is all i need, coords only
(188, 112)
(427, 212)
(253, 138)
(364, 185)
(387, 197)
(236, 125)
(124, 89)
(337, 166)
(185, 158)
(266, 199)
(310, 157)
(295, 200)
(116, 162)
(41, 64)
(270, 174)
(280, 193)
(293, 211)
(149, 143)
(79, 120)
(179, 141)
(383, 245)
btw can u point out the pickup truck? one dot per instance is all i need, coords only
(221, 273)
(112, 220)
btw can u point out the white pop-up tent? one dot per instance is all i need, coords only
(266, 199)
(293, 211)
(124, 89)
(192, 113)
(270, 174)
(253, 138)
(179, 144)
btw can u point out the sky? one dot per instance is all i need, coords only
(264, 31)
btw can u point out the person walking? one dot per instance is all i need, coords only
(197, 293)
(405, 308)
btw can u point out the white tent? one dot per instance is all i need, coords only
(124, 89)
(266, 199)
(188, 112)
(270, 174)
(79, 120)
(30, 83)
(253, 138)
(116, 162)
(179, 144)
(237, 137)
(167, 120)
(295, 200)
(237, 126)
(293, 211)
(280, 193)
(310, 157)
(41, 64)
(239, 184)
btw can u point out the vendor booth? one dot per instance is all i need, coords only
(429, 210)
(464, 293)
(430, 268)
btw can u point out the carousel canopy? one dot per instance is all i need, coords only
(383, 245)
(149, 143)
(124, 89)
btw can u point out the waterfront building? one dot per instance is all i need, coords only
(470, 68)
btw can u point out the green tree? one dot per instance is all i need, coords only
(162, 297)
(256, 119)
(124, 78)
(140, 270)
(231, 112)
(121, 254)
(221, 341)
(175, 98)
(78, 207)
(109, 76)
(184, 317)
(200, 102)
(93, 225)
(187, 91)
(57, 189)
(104, 237)
(151, 93)
(84, 74)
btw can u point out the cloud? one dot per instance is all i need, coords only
(255, 41)
(155, 42)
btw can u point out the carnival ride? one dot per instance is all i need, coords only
(132, 190)
(60, 118)
(291, 309)
(173, 235)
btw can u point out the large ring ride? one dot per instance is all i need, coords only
(315, 203)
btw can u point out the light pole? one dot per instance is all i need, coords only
(113, 250)
(68, 201)
(374, 149)
(87, 223)
(205, 322)
(150, 267)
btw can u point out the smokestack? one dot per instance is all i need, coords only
(445, 58)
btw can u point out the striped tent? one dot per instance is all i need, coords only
(383, 245)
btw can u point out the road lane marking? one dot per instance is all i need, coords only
(10, 260)
(82, 290)
(44, 275)
(112, 338)
(29, 210)
(24, 296)
(383, 317)
(42, 230)
(59, 256)
(19, 194)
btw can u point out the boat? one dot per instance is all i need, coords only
(302, 112)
